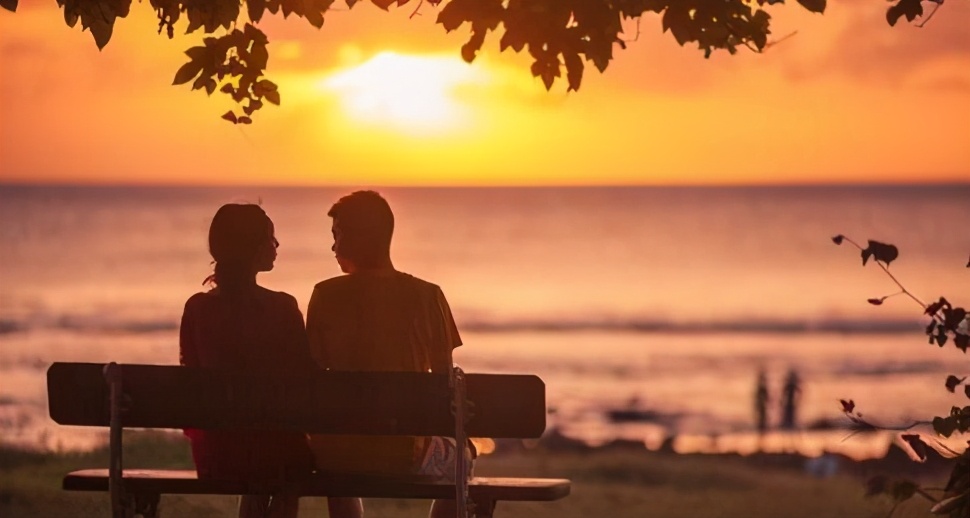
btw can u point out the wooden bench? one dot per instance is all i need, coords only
(363, 403)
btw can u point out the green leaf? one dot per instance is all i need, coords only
(816, 6)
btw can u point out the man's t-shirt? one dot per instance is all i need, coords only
(386, 321)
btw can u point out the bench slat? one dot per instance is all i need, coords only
(337, 485)
(372, 403)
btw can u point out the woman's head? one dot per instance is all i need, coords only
(242, 243)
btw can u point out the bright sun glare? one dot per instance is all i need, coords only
(411, 93)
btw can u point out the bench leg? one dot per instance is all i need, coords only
(484, 508)
(146, 504)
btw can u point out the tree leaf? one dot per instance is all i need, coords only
(187, 72)
(10, 5)
(916, 443)
(838, 239)
(101, 30)
(272, 97)
(952, 382)
(945, 426)
(876, 302)
(255, 8)
(229, 116)
(962, 341)
(880, 252)
(816, 6)
(847, 406)
(383, 4)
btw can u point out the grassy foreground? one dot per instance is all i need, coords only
(606, 483)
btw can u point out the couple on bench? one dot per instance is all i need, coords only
(374, 318)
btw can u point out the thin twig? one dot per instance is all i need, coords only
(927, 19)
(779, 40)
(635, 37)
(891, 276)
(416, 9)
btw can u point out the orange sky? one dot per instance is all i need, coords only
(846, 99)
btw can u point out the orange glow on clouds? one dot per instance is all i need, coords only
(377, 98)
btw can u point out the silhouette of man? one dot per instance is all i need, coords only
(761, 399)
(790, 395)
(376, 318)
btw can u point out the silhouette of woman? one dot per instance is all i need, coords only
(761, 399)
(238, 325)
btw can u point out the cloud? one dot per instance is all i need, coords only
(864, 48)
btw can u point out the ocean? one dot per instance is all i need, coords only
(660, 303)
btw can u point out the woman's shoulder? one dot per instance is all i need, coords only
(201, 298)
(277, 297)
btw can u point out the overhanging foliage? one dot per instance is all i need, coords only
(558, 34)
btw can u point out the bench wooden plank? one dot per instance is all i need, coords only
(337, 485)
(372, 403)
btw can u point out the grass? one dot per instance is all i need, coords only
(606, 483)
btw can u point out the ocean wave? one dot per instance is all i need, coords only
(853, 326)
(88, 324)
(140, 325)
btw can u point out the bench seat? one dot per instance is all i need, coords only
(158, 482)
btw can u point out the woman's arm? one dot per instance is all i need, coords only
(188, 343)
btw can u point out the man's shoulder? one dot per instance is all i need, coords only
(419, 282)
(343, 282)
(333, 283)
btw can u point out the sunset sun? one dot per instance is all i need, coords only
(406, 92)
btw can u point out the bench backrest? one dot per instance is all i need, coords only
(365, 403)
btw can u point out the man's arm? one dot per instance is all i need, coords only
(314, 331)
(442, 359)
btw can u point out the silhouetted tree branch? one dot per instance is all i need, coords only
(557, 34)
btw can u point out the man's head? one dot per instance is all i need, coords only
(362, 228)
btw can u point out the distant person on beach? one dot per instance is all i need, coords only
(791, 393)
(761, 400)
(241, 326)
(376, 318)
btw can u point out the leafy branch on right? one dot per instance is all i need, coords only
(947, 324)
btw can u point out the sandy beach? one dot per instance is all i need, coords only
(622, 479)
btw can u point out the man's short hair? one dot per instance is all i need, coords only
(366, 224)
